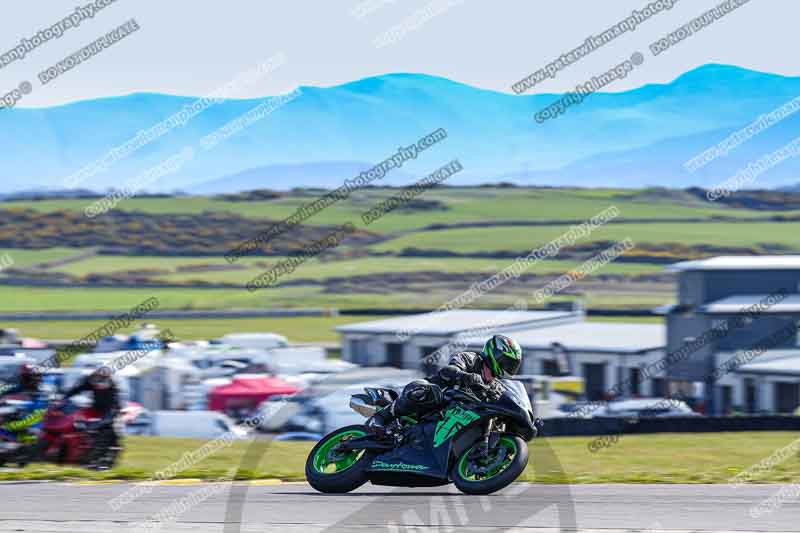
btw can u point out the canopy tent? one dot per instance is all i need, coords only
(247, 393)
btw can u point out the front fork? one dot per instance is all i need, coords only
(489, 438)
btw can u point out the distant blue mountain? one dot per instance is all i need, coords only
(636, 138)
(284, 177)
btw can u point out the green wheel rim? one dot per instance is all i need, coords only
(327, 460)
(507, 446)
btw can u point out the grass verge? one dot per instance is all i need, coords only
(661, 458)
(296, 329)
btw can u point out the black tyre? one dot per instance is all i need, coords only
(23, 459)
(103, 454)
(505, 463)
(334, 471)
(105, 459)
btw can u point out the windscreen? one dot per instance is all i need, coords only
(517, 390)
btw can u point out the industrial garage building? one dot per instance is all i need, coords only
(554, 342)
(716, 292)
(384, 342)
(762, 350)
(604, 354)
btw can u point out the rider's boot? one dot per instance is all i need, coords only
(380, 421)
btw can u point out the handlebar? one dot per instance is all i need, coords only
(487, 392)
(456, 393)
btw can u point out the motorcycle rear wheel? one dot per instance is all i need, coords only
(332, 471)
(508, 459)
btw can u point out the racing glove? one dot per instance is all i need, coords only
(475, 383)
(472, 381)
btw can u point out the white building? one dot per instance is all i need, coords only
(383, 342)
(554, 342)
(607, 355)
(772, 383)
(604, 354)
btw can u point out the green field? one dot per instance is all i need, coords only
(464, 205)
(301, 329)
(31, 299)
(119, 263)
(382, 275)
(27, 258)
(320, 270)
(470, 240)
(19, 299)
(28, 299)
(659, 458)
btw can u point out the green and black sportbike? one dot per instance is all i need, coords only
(480, 445)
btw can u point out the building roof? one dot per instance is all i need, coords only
(613, 337)
(734, 262)
(741, 303)
(448, 323)
(665, 309)
(788, 365)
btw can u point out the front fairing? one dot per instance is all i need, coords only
(515, 393)
(514, 405)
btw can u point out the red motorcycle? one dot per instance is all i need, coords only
(77, 436)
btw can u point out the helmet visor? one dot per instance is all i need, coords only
(509, 365)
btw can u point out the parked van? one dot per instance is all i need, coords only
(259, 341)
(194, 425)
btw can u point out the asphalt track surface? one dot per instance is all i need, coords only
(62, 507)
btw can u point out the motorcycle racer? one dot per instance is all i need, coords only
(501, 357)
(105, 400)
(29, 381)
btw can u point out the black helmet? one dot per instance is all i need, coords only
(502, 355)
(100, 379)
(29, 377)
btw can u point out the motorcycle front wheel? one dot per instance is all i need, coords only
(332, 470)
(476, 474)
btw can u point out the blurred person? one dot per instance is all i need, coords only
(22, 426)
(105, 402)
(28, 384)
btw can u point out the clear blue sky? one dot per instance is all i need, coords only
(192, 46)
